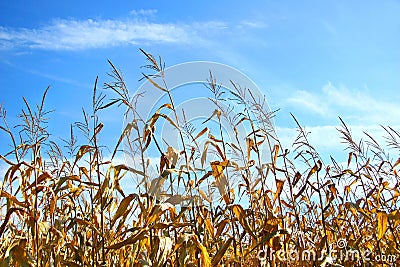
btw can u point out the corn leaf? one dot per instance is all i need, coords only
(382, 219)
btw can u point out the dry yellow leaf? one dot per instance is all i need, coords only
(241, 216)
(382, 219)
(205, 258)
(221, 252)
(209, 227)
(394, 216)
(122, 208)
(279, 187)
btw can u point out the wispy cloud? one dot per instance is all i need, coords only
(143, 12)
(359, 106)
(57, 78)
(252, 24)
(71, 34)
(320, 137)
(3, 169)
(328, 141)
(74, 34)
(309, 101)
(363, 105)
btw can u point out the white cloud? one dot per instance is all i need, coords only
(83, 34)
(308, 101)
(364, 106)
(75, 34)
(327, 139)
(319, 136)
(357, 106)
(3, 169)
(71, 34)
(363, 112)
(252, 24)
(143, 12)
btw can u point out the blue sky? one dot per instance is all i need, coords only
(315, 59)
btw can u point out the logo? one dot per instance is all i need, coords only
(338, 252)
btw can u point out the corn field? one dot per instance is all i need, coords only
(65, 204)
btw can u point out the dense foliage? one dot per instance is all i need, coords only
(65, 206)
